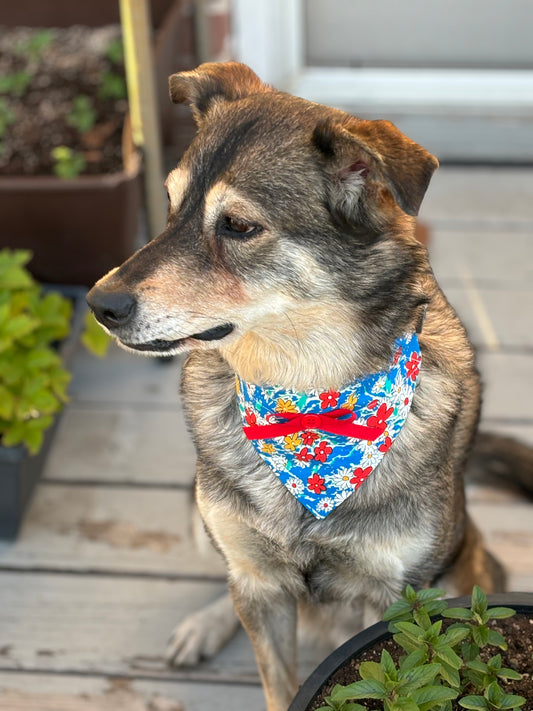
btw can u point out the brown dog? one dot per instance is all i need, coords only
(289, 259)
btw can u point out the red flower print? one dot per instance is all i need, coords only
(386, 445)
(304, 455)
(380, 418)
(413, 365)
(250, 417)
(308, 437)
(315, 483)
(329, 399)
(397, 356)
(372, 405)
(359, 475)
(322, 451)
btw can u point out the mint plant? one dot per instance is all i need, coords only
(33, 379)
(438, 666)
(82, 115)
(68, 164)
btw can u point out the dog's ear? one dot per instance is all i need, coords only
(225, 80)
(363, 155)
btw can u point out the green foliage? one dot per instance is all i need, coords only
(82, 115)
(437, 666)
(115, 51)
(112, 86)
(15, 84)
(68, 164)
(33, 379)
(36, 44)
(7, 117)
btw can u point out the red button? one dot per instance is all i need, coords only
(310, 421)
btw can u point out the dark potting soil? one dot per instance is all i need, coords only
(53, 67)
(517, 630)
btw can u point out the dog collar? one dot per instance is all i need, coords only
(323, 445)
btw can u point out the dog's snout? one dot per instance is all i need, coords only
(111, 308)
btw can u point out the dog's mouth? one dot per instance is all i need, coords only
(159, 345)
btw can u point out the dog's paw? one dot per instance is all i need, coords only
(202, 634)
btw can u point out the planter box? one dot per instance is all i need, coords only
(354, 647)
(79, 229)
(19, 471)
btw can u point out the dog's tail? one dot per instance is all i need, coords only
(502, 461)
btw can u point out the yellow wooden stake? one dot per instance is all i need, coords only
(136, 30)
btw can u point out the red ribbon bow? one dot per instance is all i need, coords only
(340, 422)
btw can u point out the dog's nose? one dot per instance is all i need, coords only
(111, 308)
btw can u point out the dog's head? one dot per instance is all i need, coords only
(277, 210)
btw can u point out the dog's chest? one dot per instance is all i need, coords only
(339, 556)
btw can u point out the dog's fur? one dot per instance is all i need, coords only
(293, 223)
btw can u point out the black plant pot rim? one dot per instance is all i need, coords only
(354, 647)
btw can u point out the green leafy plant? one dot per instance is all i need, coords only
(115, 51)
(438, 666)
(67, 163)
(36, 44)
(7, 117)
(82, 115)
(33, 379)
(112, 86)
(15, 84)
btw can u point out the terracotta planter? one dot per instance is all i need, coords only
(19, 471)
(354, 647)
(81, 228)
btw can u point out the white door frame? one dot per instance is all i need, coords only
(446, 109)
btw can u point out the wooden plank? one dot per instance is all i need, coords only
(508, 531)
(122, 444)
(114, 627)
(82, 528)
(125, 378)
(41, 692)
(508, 379)
(107, 626)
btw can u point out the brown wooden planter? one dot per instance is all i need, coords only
(77, 229)
(81, 228)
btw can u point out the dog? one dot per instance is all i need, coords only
(289, 273)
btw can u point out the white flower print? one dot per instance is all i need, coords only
(340, 479)
(325, 505)
(294, 485)
(402, 393)
(279, 462)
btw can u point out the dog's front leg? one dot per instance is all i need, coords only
(269, 617)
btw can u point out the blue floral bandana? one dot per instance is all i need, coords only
(323, 445)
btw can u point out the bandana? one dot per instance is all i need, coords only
(324, 445)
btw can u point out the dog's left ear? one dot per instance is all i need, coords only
(362, 155)
(224, 80)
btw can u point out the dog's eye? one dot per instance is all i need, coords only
(237, 228)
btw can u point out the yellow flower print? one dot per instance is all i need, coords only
(285, 406)
(292, 441)
(268, 448)
(351, 402)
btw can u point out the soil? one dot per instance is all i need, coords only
(517, 630)
(71, 64)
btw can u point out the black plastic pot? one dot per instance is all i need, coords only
(354, 647)
(20, 471)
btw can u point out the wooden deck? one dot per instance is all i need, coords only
(105, 565)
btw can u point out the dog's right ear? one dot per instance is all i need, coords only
(224, 80)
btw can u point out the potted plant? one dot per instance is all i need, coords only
(70, 176)
(39, 329)
(432, 654)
